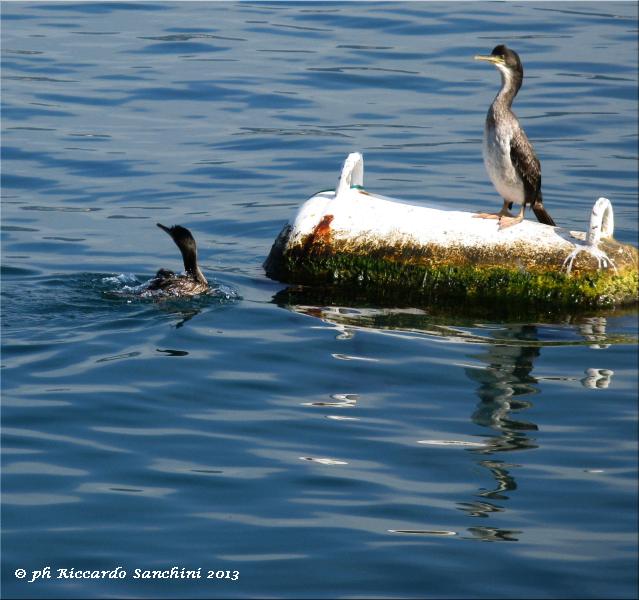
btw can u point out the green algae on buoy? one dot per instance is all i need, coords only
(353, 239)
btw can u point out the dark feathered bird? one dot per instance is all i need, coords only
(509, 156)
(190, 283)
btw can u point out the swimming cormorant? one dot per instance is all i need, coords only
(192, 282)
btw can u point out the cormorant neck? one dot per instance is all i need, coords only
(190, 264)
(510, 84)
(200, 276)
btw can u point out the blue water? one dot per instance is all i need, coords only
(319, 447)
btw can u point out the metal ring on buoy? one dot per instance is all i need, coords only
(602, 222)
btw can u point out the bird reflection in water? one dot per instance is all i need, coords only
(503, 384)
(184, 312)
(492, 534)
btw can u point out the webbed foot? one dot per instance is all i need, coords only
(509, 221)
(486, 216)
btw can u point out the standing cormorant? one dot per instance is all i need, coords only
(509, 156)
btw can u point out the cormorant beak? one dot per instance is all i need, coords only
(496, 60)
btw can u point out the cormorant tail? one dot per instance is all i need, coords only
(542, 215)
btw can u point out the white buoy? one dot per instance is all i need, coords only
(353, 235)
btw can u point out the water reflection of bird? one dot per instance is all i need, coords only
(507, 377)
(493, 534)
(504, 379)
(509, 156)
(504, 480)
(192, 282)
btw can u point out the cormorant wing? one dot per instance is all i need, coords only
(526, 163)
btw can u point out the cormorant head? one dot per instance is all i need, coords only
(186, 243)
(508, 63)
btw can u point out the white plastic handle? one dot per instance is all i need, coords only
(352, 173)
(602, 222)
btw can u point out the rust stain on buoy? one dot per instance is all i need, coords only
(320, 236)
(323, 228)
